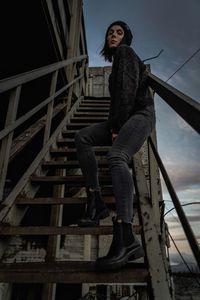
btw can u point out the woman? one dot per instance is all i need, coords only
(131, 120)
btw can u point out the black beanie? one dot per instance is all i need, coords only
(127, 32)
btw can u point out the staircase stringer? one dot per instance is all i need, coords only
(159, 284)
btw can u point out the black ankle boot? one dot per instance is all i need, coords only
(96, 210)
(124, 247)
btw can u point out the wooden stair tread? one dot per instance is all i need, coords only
(56, 201)
(83, 119)
(75, 179)
(73, 150)
(72, 164)
(69, 132)
(56, 230)
(83, 108)
(96, 101)
(90, 114)
(70, 272)
(79, 125)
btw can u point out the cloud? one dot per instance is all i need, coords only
(183, 174)
(182, 124)
(190, 218)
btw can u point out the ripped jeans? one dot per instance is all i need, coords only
(130, 139)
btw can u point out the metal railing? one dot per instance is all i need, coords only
(189, 110)
(13, 86)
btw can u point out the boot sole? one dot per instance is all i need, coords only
(132, 255)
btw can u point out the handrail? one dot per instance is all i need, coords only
(185, 106)
(14, 85)
(14, 81)
(183, 219)
(37, 108)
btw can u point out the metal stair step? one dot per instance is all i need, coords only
(62, 230)
(70, 272)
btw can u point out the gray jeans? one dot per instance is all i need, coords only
(129, 140)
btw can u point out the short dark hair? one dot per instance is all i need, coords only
(107, 52)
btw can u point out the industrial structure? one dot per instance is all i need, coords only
(47, 93)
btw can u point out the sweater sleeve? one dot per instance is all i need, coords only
(125, 81)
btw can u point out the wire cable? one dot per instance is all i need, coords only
(186, 204)
(183, 64)
(184, 261)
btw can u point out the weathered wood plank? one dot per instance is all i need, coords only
(70, 272)
(74, 179)
(90, 114)
(95, 109)
(91, 105)
(86, 119)
(69, 133)
(68, 151)
(56, 230)
(17, 80)
(70, 164)
(58, 201)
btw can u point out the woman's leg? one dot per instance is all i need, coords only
(130, 139)
(88, 137)
(95, 135)
(125, 246)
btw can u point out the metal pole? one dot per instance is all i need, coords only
(186, 226)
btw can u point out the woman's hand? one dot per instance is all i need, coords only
(114, 136)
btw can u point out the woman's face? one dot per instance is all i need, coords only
(115, 35)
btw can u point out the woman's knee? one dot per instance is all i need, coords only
(79, 137)
(117, 157)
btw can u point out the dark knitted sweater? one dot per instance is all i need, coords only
(128, 87)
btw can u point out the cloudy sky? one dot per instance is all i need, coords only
(174, 26)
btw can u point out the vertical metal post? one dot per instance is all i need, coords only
(7, 140)
(50, 108)
(159, 283)
(53, 246)
(74, 38)
(155, 185)
(180, 212)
